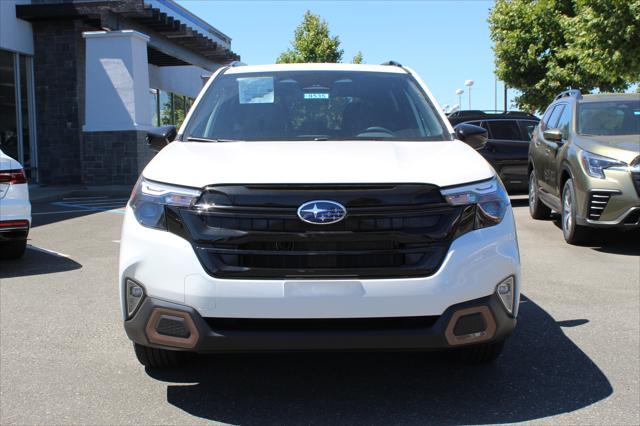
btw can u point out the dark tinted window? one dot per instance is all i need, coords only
(545, 118)
(527, 128)
(609, 118)
(504, 130)
(564, 122)
(479, 123)
(555, 116)
(303, 105)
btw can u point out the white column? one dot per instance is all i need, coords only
(116, 81)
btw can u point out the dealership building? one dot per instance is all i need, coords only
(82, 81)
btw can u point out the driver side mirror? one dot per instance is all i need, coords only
(161, 137)
(553, 135)
(474, 136)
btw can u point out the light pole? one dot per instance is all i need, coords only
(469, 83)
(459, 92)
(445, 108)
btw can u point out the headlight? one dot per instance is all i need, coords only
(490, 197)
(595, 164)
(149, 199)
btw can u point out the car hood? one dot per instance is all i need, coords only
(625, 148)
(198, 164)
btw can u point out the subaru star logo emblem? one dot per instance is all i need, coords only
(322, 212)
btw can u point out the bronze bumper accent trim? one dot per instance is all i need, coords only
(481, 336)
(161, 339)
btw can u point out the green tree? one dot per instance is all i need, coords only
(312, 43)
(545, 46)
(358, 59)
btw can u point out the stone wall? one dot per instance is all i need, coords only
(114, 158)
(59, 93)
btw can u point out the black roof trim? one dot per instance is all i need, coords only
(491, 114)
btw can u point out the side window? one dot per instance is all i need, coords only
(555, 117)
(565, 121)
(527, 129)
(545, 118)
(505, 130)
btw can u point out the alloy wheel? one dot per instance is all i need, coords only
(533, 193)
(567, 210)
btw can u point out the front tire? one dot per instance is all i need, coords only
(573, 233)
(159, 359)
(482, 353)
(11, 250)
(537, 209)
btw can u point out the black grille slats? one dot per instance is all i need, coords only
(399, 230)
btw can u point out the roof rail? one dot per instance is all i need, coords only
(489, 113)
(392, 63)
(468, 112)
(574, 93)
(236, 64)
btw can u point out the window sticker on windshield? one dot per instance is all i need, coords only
(255, 90)
(316, 96)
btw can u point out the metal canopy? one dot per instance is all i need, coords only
(182, 29)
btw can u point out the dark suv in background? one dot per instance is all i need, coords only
(507, 146)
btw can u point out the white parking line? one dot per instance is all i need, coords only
(120, 201)
(58, 212)
(85, 198)
(112, 205)
(43, 250)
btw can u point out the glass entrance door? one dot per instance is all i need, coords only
(17, 115)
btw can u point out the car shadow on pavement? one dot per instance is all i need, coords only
(609, 240)
(541, 373)
(37, 261)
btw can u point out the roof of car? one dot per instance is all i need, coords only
(469, 115)
(242, 69)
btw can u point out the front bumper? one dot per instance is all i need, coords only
(613, 202)
(208, 335)
(167, 267)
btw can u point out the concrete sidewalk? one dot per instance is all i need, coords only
(40, 194)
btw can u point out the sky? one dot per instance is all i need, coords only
(446, 42)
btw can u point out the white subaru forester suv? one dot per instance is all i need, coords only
(318, 206)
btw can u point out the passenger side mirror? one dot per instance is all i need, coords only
(161, 137)
(553, 135)
(474, 136)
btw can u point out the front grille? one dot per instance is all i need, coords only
(636, 181)
(253, 231)
(597, 202)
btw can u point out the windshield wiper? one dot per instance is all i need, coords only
(197, 139)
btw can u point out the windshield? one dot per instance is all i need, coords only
(609, 118)
(315, 105)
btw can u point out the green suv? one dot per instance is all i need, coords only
(584, 162)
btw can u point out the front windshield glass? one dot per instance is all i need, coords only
(315, 105)
(609, 118)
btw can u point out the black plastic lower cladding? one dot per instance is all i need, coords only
(253, 231)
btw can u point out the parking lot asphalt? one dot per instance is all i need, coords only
(65, 359)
